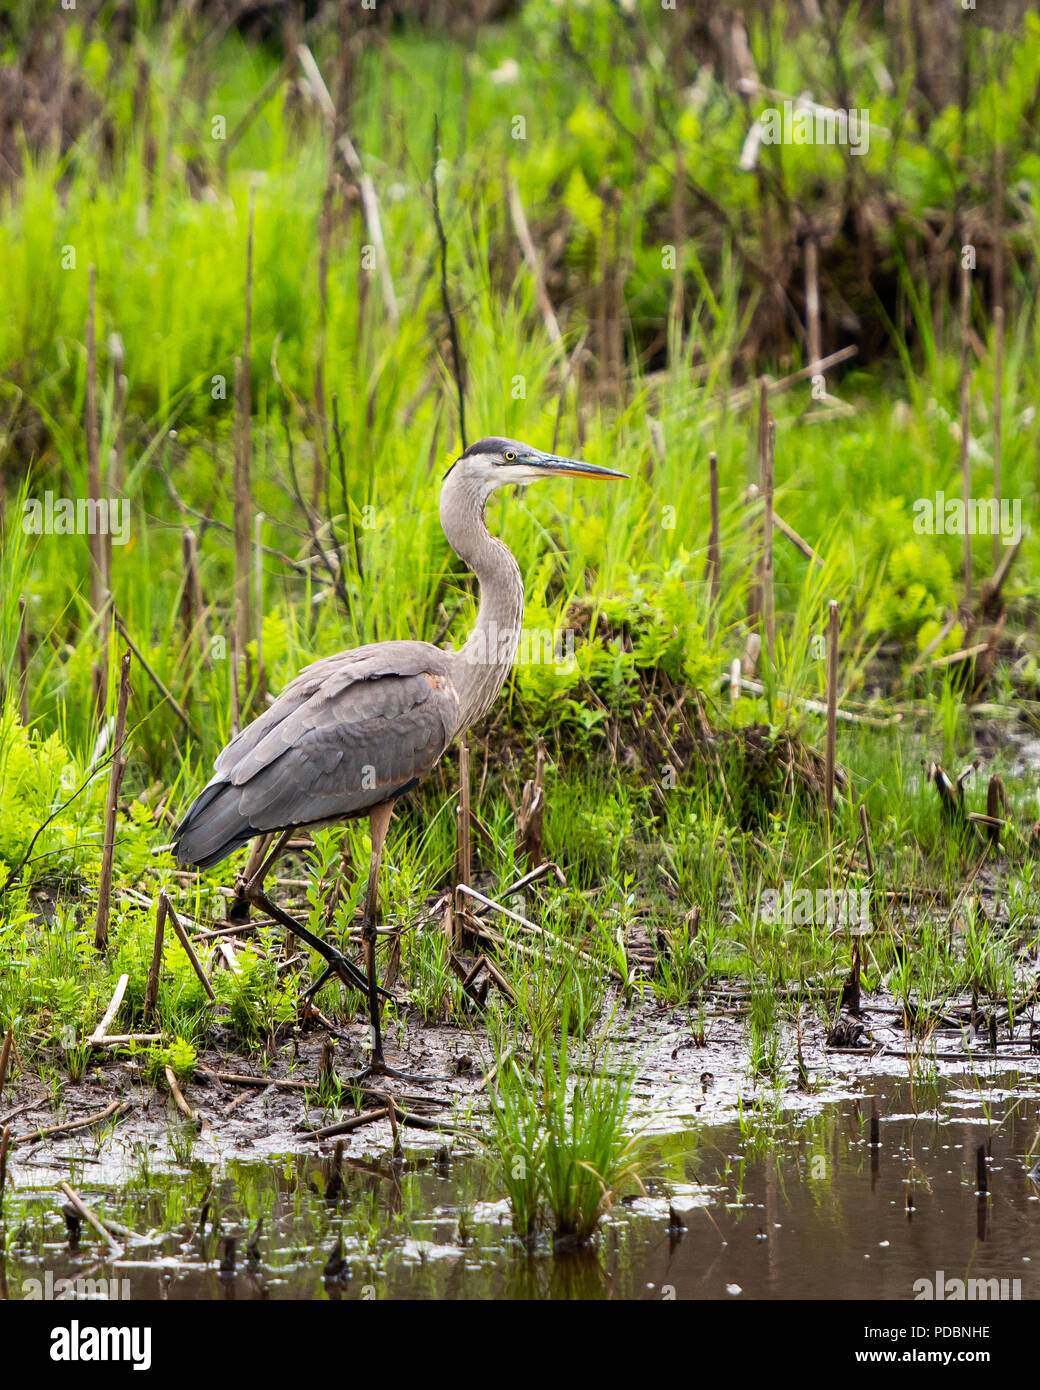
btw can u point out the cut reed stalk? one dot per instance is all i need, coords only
(118, 767)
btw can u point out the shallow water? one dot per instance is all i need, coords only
(779, 1206)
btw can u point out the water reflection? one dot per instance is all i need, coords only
(865, 1199)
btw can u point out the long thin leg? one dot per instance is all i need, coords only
(380, 822)
(338, 964)
(256, 870)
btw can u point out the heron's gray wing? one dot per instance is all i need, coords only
(349, 733)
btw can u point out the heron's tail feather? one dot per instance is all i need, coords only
(213, 827)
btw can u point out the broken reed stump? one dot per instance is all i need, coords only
(233, 690)
(151, 993)
(95, 541)
(833, 631)
(182, 937)
(98, 544)
(981, 1175)
(5, 1056)
(258, 601)
(119, 761)
(868, 850)
(243, 514)
(116, 454)
(530, 815)
(327, 1066)
(191, 597)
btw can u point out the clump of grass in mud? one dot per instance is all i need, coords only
(563, 1139)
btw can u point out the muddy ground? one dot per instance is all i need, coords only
(682, 1078)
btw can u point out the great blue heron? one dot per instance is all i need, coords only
(355, 731)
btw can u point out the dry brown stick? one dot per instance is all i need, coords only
(991, 590)
(768, 596)
(534, 264)
(369, 200)
(489, 1076)
(258, 595)
(745, 394)
(965, 418)
(805, 702)
(867, 848)
(714, 547)
(115, 778)
(345, 1126)
(833, 626)
(110, 1013)
(34, 1136)
(998, 407)
(533, 875)
(191, 597)
(5, 1056)
(151, 993)
(940, 637)
(965, 654)
(94, 538)
(178, 1094)
(23, 664)
(91, 1217)
(236, 656)
(125, 1039)
(182, 937)
(260, 1082)
(243, 512)
(796, 540)
(156, 680)
(523, 922)
(499, 979)
(117, 353)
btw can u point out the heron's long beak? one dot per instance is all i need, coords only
(573, 468)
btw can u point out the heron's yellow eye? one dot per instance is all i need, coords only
(510, 456)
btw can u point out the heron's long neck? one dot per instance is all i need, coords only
(485, 660)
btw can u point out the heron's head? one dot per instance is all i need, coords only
(493, 462)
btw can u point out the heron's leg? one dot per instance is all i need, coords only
(256, 870)
(380, 823)
(338, 964)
